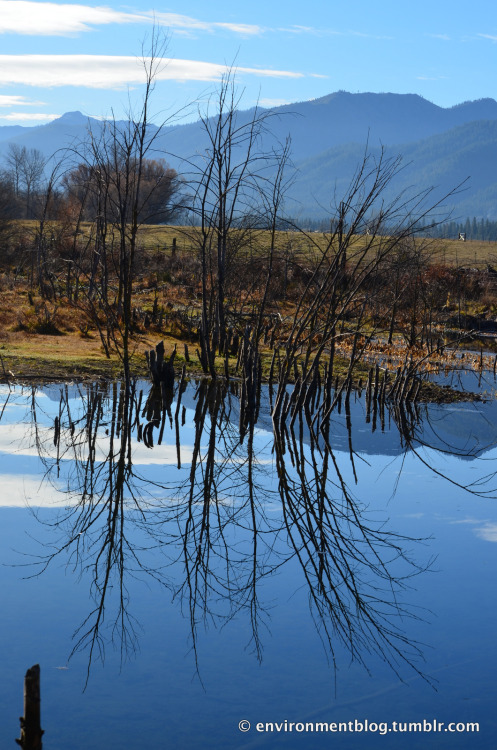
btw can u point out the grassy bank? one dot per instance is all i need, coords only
(46, 336)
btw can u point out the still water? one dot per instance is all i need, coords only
(176, 571)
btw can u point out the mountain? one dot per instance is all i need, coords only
(391, 119)
(61, 133)
(466, 154)
(9, 132)
(340, 118)
(440, 146)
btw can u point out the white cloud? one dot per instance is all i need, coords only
(7, 100)
(431, 78)
(41, 19)
(178, 22)
(111, 72)
(312, 30)
(369, 36)
(315, 31)
(273, 102)
(305, 30)
(53, 19)
(29, 116)
(444, 37)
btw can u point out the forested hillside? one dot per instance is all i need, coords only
(441, 148)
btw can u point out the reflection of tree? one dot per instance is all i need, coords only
(223, 538)
(423, 430)
(210, 533)
(348, 561)
(95, 535)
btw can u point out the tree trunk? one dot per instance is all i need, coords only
(31, 731)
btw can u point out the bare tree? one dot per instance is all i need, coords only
(123, 184)
(27, 167)
(336, 306)
(233, 190)
(8, 206)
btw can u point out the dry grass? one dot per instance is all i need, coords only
(173, 280)
(449, 252)
(73, 349)
(160, 238)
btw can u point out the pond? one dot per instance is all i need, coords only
(187, 579)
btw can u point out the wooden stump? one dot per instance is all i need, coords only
(161, 370)
(31, 731)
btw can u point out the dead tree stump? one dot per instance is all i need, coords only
(161, 370)
(31, 731)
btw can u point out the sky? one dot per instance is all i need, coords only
(57, 57)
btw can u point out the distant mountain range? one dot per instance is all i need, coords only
(441, 147)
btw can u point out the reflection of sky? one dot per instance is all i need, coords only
(21, 444)
(27, 490)
(18, 439)
(488, 532)
(456, 603)
(27, 449)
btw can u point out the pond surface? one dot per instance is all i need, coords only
(175, 570)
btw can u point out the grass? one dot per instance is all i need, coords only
(43, 340)
(450, 252)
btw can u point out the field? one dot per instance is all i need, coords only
(451, 252)
(46, 336)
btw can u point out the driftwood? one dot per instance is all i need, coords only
(31, 731)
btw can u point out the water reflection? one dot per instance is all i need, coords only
(246, 494)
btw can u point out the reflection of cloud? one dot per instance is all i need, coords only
(22, 491)
(16, 397)
(18, 440)
(31, 492)
(111, 72)
(64, 19)
(487, 532)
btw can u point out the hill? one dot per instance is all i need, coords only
(440, 146)
(466, 154)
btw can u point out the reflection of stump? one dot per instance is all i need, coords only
(31, 731)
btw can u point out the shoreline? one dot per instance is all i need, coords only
(16, 369)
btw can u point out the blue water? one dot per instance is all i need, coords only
(168, 695)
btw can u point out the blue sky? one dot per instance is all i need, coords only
(57, 57)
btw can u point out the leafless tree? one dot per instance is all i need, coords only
(122, 182)
(236, 186)
(27, 167)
